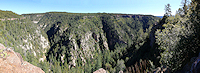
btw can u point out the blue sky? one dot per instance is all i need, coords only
(153, 7)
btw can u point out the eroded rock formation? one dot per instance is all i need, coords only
(12, 62)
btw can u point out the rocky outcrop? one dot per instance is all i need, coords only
(101, 70)
(162, 70)
(191, 67)
(12, 62)
(87, 46)
(195, 68)
(38, 39)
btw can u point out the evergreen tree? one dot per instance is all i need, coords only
(120, 65)
(99, 61)
(168, 10)
(177, 39)
(185, 6)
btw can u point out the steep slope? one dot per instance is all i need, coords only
(24, 37)
(77, 42)
(74, 38)
(179, 40)
(77, 39)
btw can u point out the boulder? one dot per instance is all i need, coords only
(191, 67)
(12, 62)
(101, 70)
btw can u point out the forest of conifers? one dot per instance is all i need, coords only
(63, 42)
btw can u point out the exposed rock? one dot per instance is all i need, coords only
(191, 67)
(121, 71)
(162, 70)
(195, 68)
(13, 63)
(101, 70)
(35, 22)
(39, 40)
(86, 44)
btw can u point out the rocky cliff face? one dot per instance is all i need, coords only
(12, 62)
(80, 36)
(86, 46)
(78, 40)
(23, 35)
(79, 44)
(191, 67)
(36, 38)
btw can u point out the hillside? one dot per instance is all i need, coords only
(26, 38)
(91, 42)
(77, 36)
(8, 14)
(74, 40)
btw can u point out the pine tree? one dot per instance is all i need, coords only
(168, 10)
(99, 61)
(177, 39)
(185, 6)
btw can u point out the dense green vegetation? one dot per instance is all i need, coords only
(180, 38)
(85, 42)
(63, 28)
(120, 31)
(8, 14)
(24, 37)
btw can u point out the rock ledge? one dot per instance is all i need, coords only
(12, 62)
